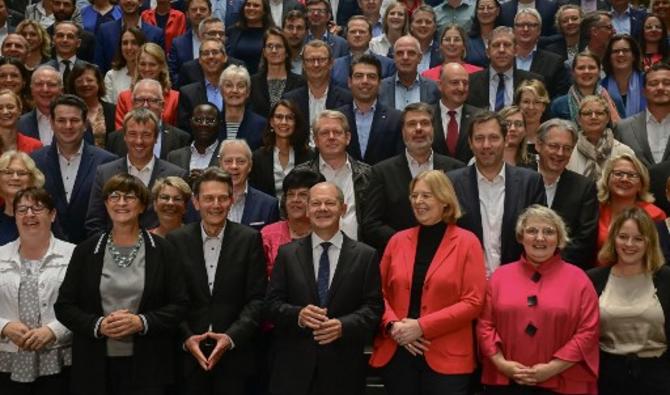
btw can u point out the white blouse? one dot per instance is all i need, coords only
(116, 81)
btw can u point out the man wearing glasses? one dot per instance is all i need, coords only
(596, 29)
(319, 14)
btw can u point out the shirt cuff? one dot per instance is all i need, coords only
(230, 339)
(96, 328)
(144, 324)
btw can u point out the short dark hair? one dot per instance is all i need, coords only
(295, 14)
(418, 106)
(660, 66)
(119, 62)
(188, 4)
(277, 32)
(209, 103)
(212, 173)
(301, 178)
(68, 22)
(37, 195)
(326, 2)
(141, 115)
(69, 100)
(485, 116)
(124, 182)
(366, 58)
(635, 51)
(79, 69)
(359, 18)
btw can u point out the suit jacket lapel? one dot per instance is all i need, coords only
(447, 246)
(305, 260)
(226, 245)
(354, 145)
(151, 263)
(473, 201)
(511, 200)
(85, 168)
(343, 266)
(640, 133)
(378, 119)
(54, 164)
(158, 170)
(195, 248)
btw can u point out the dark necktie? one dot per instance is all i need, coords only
(324, 274)
(452, 133)
(500, 92)
(66, 72)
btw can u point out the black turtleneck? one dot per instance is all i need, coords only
(430, 238)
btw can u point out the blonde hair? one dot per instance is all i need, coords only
(595, 99)
(156, 52)
(16, 98)
(444, 192)
(536, 87)
(330, 114)
(36, 176)
(41, 33)
(175, 182)
(537, 211)
(653, 257)
(603, 181)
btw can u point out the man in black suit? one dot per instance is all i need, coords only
(148, 93)
(295, 30)
(493, 194)
(319, 93)
(203, 151)
(67, 40)
(183, 46)
(388, 209)
(486, 88)
(325, 301)
(140, 132)
(571, 195)
(451, 118)
(226, 281)
(527, 27)
(63, 11)
(375, 128)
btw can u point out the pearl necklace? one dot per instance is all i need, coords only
(124, 261)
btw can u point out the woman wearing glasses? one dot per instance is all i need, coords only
(623, 184)
(634, 299)
(35, 353)
(624, 79)
(521, 342)
(122, 297)
(171, 196)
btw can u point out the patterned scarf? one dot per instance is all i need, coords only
(595, 155)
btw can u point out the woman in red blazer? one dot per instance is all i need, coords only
(434, 281)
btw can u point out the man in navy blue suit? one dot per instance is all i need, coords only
(69, 165)
(250, 206)
(107, 38)
(318, 15)
(185, 47)
(45, 85)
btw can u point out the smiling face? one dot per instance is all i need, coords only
(236, 162)
(86, 85)
(13, 179)
(516, 129)
(318, 15)
(532, 107)
(656, 89)
(212, 58)
(624, 181)
(539, 239)
(454, 85)
(570, 21)
(586, 72)
(170, 205)
(253, 11)
(66, 39)
(15, 46)
(33, 224)
(123, 208)
(652, 30)
(33, 38)
(452, 46)
(68, 125)
(324, 208)
(130, 7)
(630, 244)
(283, 122)
(423, 26)
(129, 47)
(45, 86)
(140, 139)
(204, 124)
(396, 17)
(364, 82)
(428, 210)
(11, 78)
(417, 131)
(235, 91)
(622, 56)
(316, 63)
(527, 30)
(148, 67)
(9, 111)
(555, 150)
(487, 12)
(593, 118)
(487, 144)
(296, 203)
(213, 203)
(331, 139)
(274, 50)
(295, 30)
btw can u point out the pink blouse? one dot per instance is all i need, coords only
(562, 323)
(274, 236)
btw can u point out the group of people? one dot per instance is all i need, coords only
(242, 196)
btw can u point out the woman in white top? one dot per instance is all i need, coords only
(118, 79)
(634, 298)
(35, 350)
(395, 24)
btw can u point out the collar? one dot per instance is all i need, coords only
(372, 109)
(446, 109)
(397, 79)
(72, 59)
(480, 176)
(337, 240)
(79, 150)
(412, 161)
(543, 268)
(40, 115)
(529, 56)
(15, 257)
(209, 149)
(149, 165)
(650, 118)
(625, 12)
(205, 236)
(242, 195)
(509, 73)
(323, 165)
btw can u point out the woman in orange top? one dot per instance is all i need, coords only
(433, 280)
(623, 184)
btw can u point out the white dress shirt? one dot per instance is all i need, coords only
(44, 127)
(69, 168)
(144, 174)
(493, 87)
(444, 112)
(316, 105)
(491, 207)
(276, 10)
(550, 190)
(62, 66)
(237, 208)
(116, 81)
(416, 168)
(657, 135)
(201, 161)
(279, 172)
(333, 254)
(343, 178)
(211, 249)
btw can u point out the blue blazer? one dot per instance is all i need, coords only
(560, 108)
(430, 92)
(345, 10)
(107, 41)
(27, 125)
(251, 129)
(89, 17)
(476, 52)
(339, 75)
(385, 138)
(180, 53)
(260, 209)
(71, 216)
(546, 8)
(336, 98)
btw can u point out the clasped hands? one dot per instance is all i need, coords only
(28, 339)
(408, 334)
(526, 375)
(120, 324)
(222, 344)
(326, 330)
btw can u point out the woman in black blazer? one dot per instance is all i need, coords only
(244, 40)
(284, 147)
(123, 297)
(274, 76)
(634, 298)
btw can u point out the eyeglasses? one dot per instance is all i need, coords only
(12, 172)
(116, 197)
(36, 209)
(283, 117)
(623, 51)
(316, 61)
(620, 175)
(591, 113)
(546, 232)
(140, 101)
(165, 198)
(274, 47)
(204, 121)
(516, 124)
(554, 147)
(527, 25)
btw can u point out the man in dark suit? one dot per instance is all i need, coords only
(325, 301)
(109, 34)
(63, 11)
(182, 49)
(250, 207)
(140, 132)
(45, 85)
(359, 34)
(487, 90)
(645, 133)
(226, 281)
(67, 40)
(571, 195)
(319, 16)
(148, 93)
(451, 119)
(69, 165)
(527, 27)
(492, 194)
(204, 151)
(546, 8)
(318, 93)
(375, 128)
(595, 32)
(388, 208)
(279, 10)
(295, 30)
(227, 10)
(407, 86)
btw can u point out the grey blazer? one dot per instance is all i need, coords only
(182, 157)
(429, 91)
(632, 131)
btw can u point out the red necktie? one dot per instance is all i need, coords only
(452, 133)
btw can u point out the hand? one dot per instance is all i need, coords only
(192, 344)
(333, 28)
(36, 339)
(512, 369)
(328, 332)
(195, 174)
(312, 316)
(542, 372)
(120, 324)
(14, 331)
(418, 346)
(406, 331)
(222, 345)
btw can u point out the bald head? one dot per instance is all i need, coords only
(454, 85)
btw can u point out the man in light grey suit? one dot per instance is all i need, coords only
(407, 86)
(648, 132)
(140, 132)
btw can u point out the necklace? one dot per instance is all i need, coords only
(121, 260)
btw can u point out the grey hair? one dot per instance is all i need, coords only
(235, 71)
(557, 123)
(239, 142)
(50, 68)
(149, 81)
(529, 11)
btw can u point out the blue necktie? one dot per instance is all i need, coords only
(500, 92)
(324, 274)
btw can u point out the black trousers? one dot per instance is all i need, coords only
(516, 389)
(406, 374)
(119, 372)
(56, 384)
(215, 382)
(625, 375)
